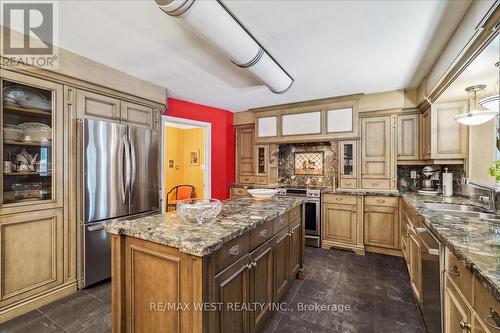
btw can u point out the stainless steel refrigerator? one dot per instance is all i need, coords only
(119, 170)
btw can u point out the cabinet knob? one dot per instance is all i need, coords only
(234, 251)
(454, 270)
(380, 200)
(263, 233)
(249, 266)
(464, 324)
(254, 264)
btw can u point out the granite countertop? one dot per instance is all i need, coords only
(238, 216)
(475, 242)
(361, 192)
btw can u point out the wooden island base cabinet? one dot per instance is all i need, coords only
(157, 288)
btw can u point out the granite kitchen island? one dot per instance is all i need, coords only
(174, 276)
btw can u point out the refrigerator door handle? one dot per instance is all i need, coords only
(126, 181)
(134, 167)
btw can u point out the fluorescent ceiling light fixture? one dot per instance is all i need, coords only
(213, 21)
(476, 114)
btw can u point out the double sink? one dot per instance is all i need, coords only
(459, 210)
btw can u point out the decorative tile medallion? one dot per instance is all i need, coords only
(310, 163)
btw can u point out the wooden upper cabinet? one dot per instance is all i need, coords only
(40, 185)
(97, 105)
(378, 165)
(245, 162)
(449, 138)
(408, 137)
(348, 161)
(137, 114)
(425, 134)
(267, 127)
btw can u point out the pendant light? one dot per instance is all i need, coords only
(476, 114)
(493, 102)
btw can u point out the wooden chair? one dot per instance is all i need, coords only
(181, 192)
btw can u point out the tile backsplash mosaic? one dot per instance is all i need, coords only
(286, 166)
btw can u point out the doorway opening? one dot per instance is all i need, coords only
(185, 160)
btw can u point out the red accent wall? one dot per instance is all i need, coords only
(223, 140)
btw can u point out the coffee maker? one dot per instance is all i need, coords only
(430, 180)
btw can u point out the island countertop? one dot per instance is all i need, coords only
(238, 216)
(475, 242)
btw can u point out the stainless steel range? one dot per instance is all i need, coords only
(312, 212)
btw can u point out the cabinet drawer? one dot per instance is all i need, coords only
(281, 222)
(231, 251)
(459, 274)
(295, 213)
(486, 306)
(260, 234)
(239, 192)
(247, 179)
(340, 199)
(382, 201)
(348, 183)
(261, 180)
(378, 184)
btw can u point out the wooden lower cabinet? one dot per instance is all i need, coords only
(296, 251)
(147, 276)
(32, 260)
(415, 269)
(233, 287)
(381, 226)
(261, 284)
(281, 264)
(457, 315)
(341, 223)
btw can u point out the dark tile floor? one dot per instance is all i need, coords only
(86, 311)
(374, 287)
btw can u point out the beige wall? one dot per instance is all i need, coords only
(76, 66)
(482, 150)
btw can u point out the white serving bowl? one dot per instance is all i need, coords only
(262, 193)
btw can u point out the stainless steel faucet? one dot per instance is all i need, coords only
(491, 189)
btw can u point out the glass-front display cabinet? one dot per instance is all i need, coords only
(347, 164)
(31, 140)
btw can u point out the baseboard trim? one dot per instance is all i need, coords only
(382, 250)
(15, 310)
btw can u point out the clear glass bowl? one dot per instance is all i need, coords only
(201, 210)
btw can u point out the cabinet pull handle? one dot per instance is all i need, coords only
(263, 233)
(493, 319)
(339, 199)
(464, 324)
(380, 200)
(375, 184)
(234, 251)
(348, 183)
(454, 270)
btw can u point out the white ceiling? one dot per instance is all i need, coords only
(481, 70)
(331, 48)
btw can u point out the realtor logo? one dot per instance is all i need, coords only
(28, 33)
